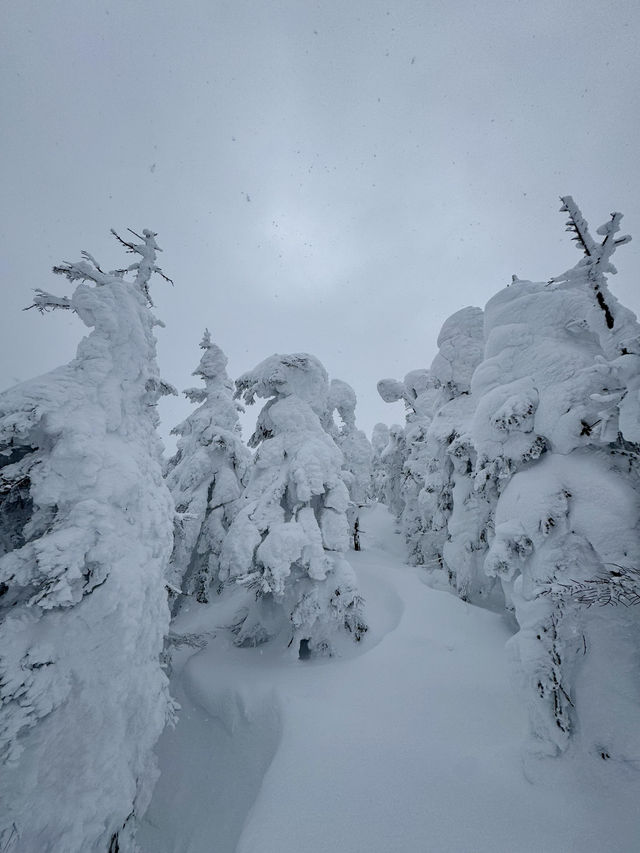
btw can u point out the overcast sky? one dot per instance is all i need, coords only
(329, 177)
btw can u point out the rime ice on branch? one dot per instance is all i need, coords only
(379, 440)
(592, 269)
(85, 537)
(206, 476)
(287, 542)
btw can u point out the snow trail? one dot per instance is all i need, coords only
(411, 741)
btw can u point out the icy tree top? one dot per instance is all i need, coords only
(342, 399)
(122, 343)
(213, 370)
(416, 390)
(461, 343)
(89, 270)
(298, 374)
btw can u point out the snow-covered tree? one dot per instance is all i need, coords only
(206, 476)
(417, 393)
(85, 537)
(555, 430)
(356, 450)
(458, 515)
(379, 440)
(287, 543)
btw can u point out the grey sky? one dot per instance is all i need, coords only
(329, 177)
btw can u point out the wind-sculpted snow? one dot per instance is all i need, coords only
(86, 533)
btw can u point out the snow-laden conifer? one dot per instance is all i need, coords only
(288, 540)
(393, 460)
(206, 476)
(556, 445)
(85, 536)
(356, 450)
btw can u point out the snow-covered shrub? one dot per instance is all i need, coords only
(85, 537)
(206, 476)
(288, 540)
(356, 451)
(556, 444)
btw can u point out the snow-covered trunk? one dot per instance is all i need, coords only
(86, 536)
(379, 440)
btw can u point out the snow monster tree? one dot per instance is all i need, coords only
(288, 540)
(85, 537)
(556, 432)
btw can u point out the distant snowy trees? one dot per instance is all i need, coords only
(356, 450)
(379, 440)
(85, 536)
(206, 476)
(288, 540)
(553, 435)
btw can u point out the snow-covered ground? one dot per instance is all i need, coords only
(410, 742)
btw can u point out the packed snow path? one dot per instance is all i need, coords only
(411, 742)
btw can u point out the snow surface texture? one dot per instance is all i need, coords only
(206, 476)
(409, 742)
(287, 542)
(85, 536)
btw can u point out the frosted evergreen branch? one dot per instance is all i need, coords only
(620, 586)
(89, 257)
(128, 246)
(146, 266)
(577, 224)
(44, 301)
(81, 271)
